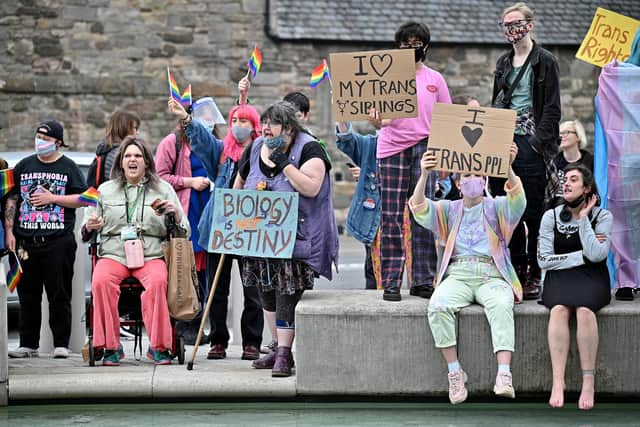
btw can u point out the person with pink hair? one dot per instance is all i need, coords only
(220, 160)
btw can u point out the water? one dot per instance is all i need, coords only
(319, 414)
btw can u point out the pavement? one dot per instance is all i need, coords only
(45, 378)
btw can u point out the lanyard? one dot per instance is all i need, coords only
(136, 202)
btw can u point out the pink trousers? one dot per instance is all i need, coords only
(107, 276)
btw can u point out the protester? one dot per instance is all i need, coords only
(124, 218)
(286, 158)
(573, 140)
(121, 124)
(574, 242)
(43, 202)
(401, 143)
(181, 168)
(536, 99)
(475, 266)
(220, 161)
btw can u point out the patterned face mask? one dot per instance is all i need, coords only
(515, 33)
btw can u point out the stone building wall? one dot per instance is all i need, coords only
(79, 60)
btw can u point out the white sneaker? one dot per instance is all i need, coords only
(457, 390)
(504, 385)
(61, 353)
(22, 352)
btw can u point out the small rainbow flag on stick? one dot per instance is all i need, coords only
(6, 181)
(15, 272)
(90, 197)
(255, 62)
(320, 73)
(184, 98)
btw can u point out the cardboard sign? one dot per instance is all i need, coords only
(254, 223)
(472, 139)
(382, 79)
(609, 37)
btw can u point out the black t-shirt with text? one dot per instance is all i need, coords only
(62, 177)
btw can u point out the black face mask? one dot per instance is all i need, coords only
(577, 202)
(420, 53)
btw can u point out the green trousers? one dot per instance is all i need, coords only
(465, 283)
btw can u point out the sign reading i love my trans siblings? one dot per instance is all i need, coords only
(381, 79)
(609, 37)
(254, 223)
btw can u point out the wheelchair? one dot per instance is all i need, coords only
(130, 312)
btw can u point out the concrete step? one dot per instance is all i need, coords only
(354, 343)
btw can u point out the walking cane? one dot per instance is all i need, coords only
(216, 278)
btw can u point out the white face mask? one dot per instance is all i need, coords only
(44, 147)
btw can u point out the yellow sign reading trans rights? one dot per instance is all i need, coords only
(609, 37)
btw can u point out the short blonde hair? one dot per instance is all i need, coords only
(580, 133)
(522, 8)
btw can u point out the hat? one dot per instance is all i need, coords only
(52, 128)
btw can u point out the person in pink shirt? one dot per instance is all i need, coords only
(401, 144)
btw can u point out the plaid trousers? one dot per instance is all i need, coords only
(398, 177)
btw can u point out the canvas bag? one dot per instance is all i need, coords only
(182, 289)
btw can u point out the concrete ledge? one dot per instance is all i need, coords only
(353, 343)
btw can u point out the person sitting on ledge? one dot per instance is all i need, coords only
(573, 245)
(475, 267)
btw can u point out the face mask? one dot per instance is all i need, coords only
(472, 187)
(45, 147)
(419, 54)
(577, 202)
(516, 33)
(275, 142)
(241, 133)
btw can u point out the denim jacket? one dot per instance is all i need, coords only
(364, 215)
(209, 150)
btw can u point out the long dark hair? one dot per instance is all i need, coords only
(117, 171)
(283, 113)
(587, 179)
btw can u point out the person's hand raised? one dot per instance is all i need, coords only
(177, 109)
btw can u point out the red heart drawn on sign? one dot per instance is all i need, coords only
(381, 63)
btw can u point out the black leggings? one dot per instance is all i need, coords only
(284, 306)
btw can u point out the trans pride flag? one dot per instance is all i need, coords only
(617, 166)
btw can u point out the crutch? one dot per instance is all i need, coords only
(216, 278)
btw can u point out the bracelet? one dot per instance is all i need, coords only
(186, 121)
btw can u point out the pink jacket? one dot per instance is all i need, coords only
(166, 158)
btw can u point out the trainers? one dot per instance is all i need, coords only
(22, 352)
(504, 385)
(624, 294)
(159, 357)
(271, 347)
(61, 353)
(113, 357)
(457, 390)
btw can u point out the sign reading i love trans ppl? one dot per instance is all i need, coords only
(609, 37)
(254, 223)
(381, 79)
(472, 139)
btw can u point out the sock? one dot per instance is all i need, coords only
(454, 367)
(504, 368)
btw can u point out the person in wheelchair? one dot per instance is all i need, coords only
(131, 219)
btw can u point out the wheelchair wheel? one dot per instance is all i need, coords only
(180, 350)
(92, 353)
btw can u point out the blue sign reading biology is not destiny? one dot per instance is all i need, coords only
(254, 223)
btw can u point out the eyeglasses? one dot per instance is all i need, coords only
(513, 24)
(567, 132)
(413, 45)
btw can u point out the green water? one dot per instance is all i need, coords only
(319, 414)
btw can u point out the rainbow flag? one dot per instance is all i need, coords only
(90, 197)
(255, 61)
(320, 73)
(174, 91)
(6, 181)
(15, 272)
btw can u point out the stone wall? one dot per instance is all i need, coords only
(79, 60)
